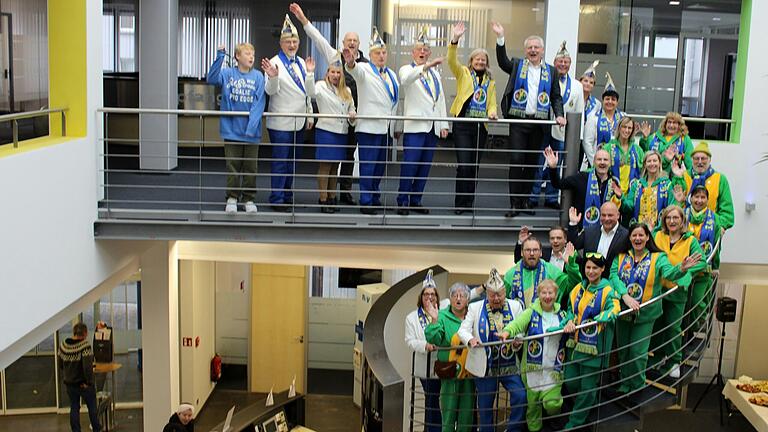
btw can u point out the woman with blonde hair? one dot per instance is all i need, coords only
(475, 98)
(671, 140)
(333, 97)
(649, 194)
(674, 238)
(626, 155)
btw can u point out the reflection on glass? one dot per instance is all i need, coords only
(31, 382)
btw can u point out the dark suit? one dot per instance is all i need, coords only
(524, 136)
(577, 183)
(589, 239)
(348, 164)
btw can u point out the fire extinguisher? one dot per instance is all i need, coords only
(216, 368)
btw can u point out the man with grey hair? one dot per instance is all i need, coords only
(495, 364)
(532, 93)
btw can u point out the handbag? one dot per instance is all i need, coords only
(445, 369)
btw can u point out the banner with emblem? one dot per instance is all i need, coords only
(638, 276)
(520, 93)
(593, 200)
(490, 324)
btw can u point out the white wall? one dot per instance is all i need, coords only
(356, 16)
(197, 299)
(233, 311)
(330, 333)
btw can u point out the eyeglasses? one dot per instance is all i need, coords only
(428, 295)
(597, 255)
(532, 250)
(673, 217)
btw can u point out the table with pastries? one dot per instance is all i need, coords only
(755, 414)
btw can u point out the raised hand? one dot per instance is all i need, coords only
(433, 63)
(574, 217)
(678, 192)
(458, 31)
(523, 234)
(221, 47)
(298, 13)
(569, 250)
(269, 69)
(349, 57)
(431, 309)
(551, 157)
(616, 188)
(645, 128)
(690, 261)
(497, 28)
(669, 153)
(677, 169)
(310, 62)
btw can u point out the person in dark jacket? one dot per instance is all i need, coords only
(181, 420)
(76, 363)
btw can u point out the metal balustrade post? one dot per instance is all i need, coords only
(572, 163)
(15, 128)
(200, 169)
(63, 124)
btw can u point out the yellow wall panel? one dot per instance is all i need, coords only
(67, 86)
(751, 359)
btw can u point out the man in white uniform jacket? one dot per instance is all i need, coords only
(287, 94)
(573, 102)
(378, 92)
(424, 97)
(496, 364)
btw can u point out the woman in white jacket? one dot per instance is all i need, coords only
(333, 97)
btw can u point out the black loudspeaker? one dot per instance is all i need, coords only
(726, 309)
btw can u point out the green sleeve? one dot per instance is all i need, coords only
(508, 279)
(628, 199)
(715, 264)
(573, 277)
(641, 157)
(666, 270)
(644, 141)
(519, 324)
(614, 279)
(611, 308)
(724, 212)
(674, 181)
(687, 151)
(435, 332)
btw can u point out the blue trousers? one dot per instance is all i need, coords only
(419, 148)
(283, 157)
(487, 388)
(542, 174)
(88, 394)
(372, 150)
(433, 421)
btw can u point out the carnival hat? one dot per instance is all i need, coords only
(495, 282)
(429, 282)
(702, 147)
(563, 52)
(376, 41)
(336, 60)
(289, 30)
(610, 87)
(591, 70)
(423, 38)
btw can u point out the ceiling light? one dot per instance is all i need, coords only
(535, 9)
(715, 18)
(625, 14)
(674, 3)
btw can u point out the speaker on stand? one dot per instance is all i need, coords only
(725, 312)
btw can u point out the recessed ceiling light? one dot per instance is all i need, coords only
(715, 18)
(674, 3)
(535, 9)
(625, 14)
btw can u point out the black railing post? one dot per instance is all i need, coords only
(572, 163)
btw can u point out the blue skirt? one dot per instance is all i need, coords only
(330, 146)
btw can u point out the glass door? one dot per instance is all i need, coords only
(6, 64)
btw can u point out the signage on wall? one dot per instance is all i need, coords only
(186, 341)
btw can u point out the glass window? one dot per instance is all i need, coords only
(119, 36)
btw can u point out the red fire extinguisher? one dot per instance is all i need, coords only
(216, 368)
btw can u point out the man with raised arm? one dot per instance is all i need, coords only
(351, 41)
(286, 73)
(378, 92)
(532, 93)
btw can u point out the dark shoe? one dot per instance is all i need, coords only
(333, 204)
(552, 205)
(324, 207)
(512, 213)
(402, 211)
(368, 210)
(346, 198)
(418, 208)
(281, 208)
(527, 207)
(461, 211)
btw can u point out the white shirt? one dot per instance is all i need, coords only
(605, 240)
(543, 379)
(285, 96)
(418, 102)
(534, 76)
(558, 261)
(574, 104)
(328, 102)
(373, 98)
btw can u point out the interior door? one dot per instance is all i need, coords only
(278, 323)
(6, 63)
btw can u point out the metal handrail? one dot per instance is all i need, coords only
(15, 117)
(687, 119)
(585, 325)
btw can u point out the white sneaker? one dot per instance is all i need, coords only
(250, 207)
(675, 371)
(231, 205)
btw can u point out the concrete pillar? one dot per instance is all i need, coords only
(160, 333)
(562, 24)
(158, 84)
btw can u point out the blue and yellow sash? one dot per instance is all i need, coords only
(422, 78)
(662, 197)
(706, 234)
(393, 95)
(567, 91)
(634, 162)
(517, 290)
(590, 105)
(424, 320)
(700, 179)
(287, 63)
(586, 307)
(593, 200)
(535, 352)
(605, 131)
(657, 142)
(488, 328)
(639, 276)
(520, 94)
(478, 105)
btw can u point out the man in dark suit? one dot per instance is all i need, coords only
(558, 238)
(532, 92)
(609, 238)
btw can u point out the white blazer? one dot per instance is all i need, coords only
(418, 103)
(477, 359)
(372, 99)
(574, 104)
(286, 97)
(417, 342)
(328, 102)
